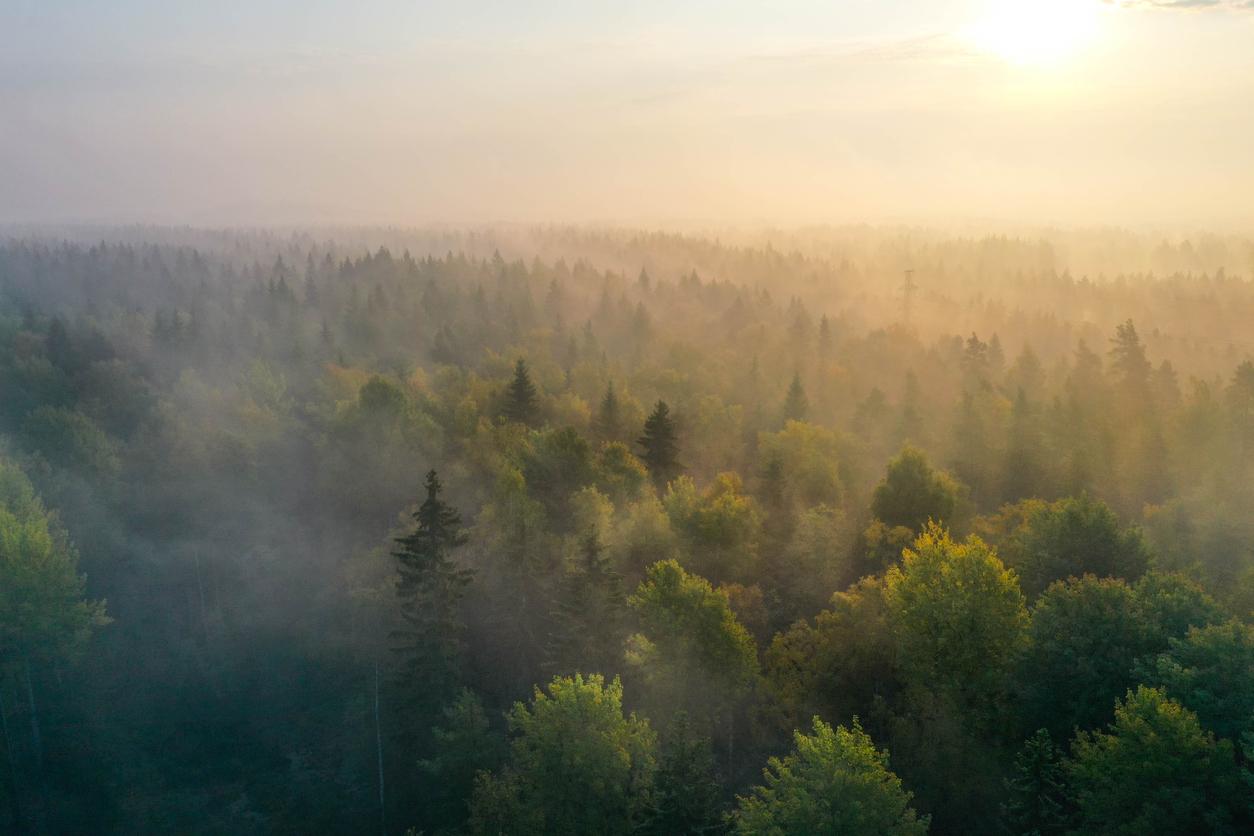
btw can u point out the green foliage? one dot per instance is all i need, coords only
(608, 421)
(430, 586)
(1211, 672)
(1037, 790)
(693, 651)
(70, 439)
(958, 616)
(1153, 771)
(687, 796)
(464, 745)
(660, 444)
(1068, 538)
(841, 665)
(588, 632)
(1085, 636)
(576, 765)
(721, 525)
(619, 473)
(796, 405)
(44, 613)
(522, 403)
(913, 493)
(833, 782)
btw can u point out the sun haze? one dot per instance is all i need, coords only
(1068, 111)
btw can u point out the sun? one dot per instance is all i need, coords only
(1035, 32)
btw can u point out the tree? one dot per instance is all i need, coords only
(1129, 364)
(693, 652)
(587, 621)
(1211, 672)
(843, 664)
(1084, 638)
(1025, 472)
(464, 745)
(1087, 638)
(607, 424)
(430, 586)
(45, 617)
(958, 616)
(1068, 538)
(795, 403)
(661, 446)
(521, 401)
(721, 525)
(576, 765)
(1037, 789)
(1153, 771)
(834, 782)
(687, 797)
(913, 493)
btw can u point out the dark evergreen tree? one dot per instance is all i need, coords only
(430, 588)
(521, 401)
(608, 421)
(796, 405)
(687, 796)
(1037, 789)
(587, 632)
(661, 446)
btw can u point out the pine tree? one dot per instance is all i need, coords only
(661, 447)
(796, 405)
(1037, 789)
(687, 796)
(1129, 363)
(521, 403)
(430, 588)
(825, 337)
(588, 617)
(608, 421)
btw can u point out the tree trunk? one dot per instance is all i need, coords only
(37, 744)
(378, 742)
(36, 738)
(15, 803)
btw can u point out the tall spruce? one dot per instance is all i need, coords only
(521, 402)
(430, 588)
(608, 421)
(1037, 790)
(796, 405)
(661, 446)
(588, 617)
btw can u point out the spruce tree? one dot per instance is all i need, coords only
(796, 405)
(521, 401)
(608, 421)
(1037, 789)
(588, 617)
(660, 445)
(430, 588)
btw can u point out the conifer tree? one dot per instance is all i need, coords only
(661, 447)
(1037, 789)
(608, 421)
(588, 617)
(430, 588)
(796, 405)
(521, 402)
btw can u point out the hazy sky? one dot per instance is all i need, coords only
(1064, 111)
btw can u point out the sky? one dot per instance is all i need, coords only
(1066, 112)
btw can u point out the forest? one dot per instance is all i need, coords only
(570, 530)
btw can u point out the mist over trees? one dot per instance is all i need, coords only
(569, 530)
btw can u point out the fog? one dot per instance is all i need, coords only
(492, 418)
(280, 112)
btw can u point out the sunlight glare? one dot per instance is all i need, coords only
(1035, 32)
